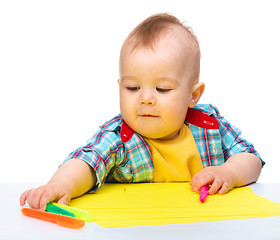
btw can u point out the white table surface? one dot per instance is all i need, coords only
(14, 225)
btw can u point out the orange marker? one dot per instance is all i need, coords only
(61, 220)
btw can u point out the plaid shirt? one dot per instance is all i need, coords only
(118, 154)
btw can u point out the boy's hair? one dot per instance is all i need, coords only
(146, 34)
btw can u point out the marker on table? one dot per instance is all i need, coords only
(58, 210)
(80, 214)
(61, 220)
(203, 193)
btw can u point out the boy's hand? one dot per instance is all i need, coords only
(239, 170)
(38, 198)
(221, 179)
(72, 179)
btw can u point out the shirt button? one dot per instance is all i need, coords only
(215, 150)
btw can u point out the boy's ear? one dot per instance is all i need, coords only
(197, 92)
(118, 81)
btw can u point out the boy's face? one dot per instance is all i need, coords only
(155, 89)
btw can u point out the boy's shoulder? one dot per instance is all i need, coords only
(208, 109)
(112, 124)
(203, 116)
(118, 127)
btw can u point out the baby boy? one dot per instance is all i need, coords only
(161, 134)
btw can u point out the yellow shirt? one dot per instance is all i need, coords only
(175, 160)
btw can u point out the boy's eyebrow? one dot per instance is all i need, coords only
(159, 79)
(128, 78)
(168, 79)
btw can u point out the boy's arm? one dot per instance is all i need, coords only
(72, 179)
(242, 162)
(239, 170)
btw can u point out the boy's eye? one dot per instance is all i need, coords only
(163, 90)
(133, 88)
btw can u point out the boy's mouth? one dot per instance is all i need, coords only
(148, 115)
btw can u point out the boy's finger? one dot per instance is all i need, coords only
(201, 180)
(22, 199)
(35, 198)
(64, 200)
(224, 189)
(45, 199)
(216, 185)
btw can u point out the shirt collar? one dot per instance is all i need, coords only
(194, 116)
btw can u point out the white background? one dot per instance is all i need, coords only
(59, 71)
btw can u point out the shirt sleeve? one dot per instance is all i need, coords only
(102, 152)
(232, 142)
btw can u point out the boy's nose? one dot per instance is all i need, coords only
(147, 97)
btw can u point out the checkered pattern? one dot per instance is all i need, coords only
(216, 146)
(116, 160)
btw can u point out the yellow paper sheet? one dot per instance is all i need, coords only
(124, 205)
